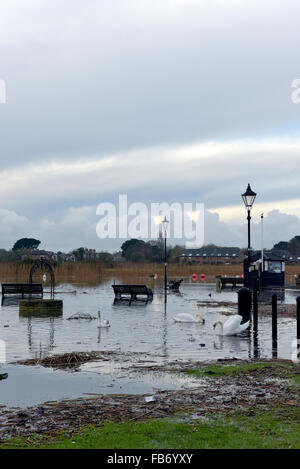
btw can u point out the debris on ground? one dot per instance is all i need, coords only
(259, 388)
(86, 316)
(64, 360)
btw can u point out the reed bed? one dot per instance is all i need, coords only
(86, 273)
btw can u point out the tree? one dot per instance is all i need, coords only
(137, 257)
(294, 246)
(79, 254)
(132, 245)
(105, 258)
(281, 245)
(26, 243)
(175, 253)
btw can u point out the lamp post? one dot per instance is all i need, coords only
(248, 198)
(165, 224)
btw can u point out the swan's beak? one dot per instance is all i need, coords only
(214, 326)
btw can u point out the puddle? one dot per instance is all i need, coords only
(27, 386)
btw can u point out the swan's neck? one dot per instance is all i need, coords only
(199, 317)
(220, 324)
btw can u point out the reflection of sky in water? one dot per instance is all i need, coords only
(33, 385)
(139, 327)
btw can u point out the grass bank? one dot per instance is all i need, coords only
(277, 428)
(282, 369)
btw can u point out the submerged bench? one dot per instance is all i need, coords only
(132, 291)
(233, 281)
(22, 289)
(175, 284)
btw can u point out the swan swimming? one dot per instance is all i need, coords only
(104, 322)
(187, 317)
(232, 326)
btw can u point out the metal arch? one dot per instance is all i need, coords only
(45, 266)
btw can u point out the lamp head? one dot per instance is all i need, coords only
(249, 197)
(165, 224)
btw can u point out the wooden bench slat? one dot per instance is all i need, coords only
(132, 291)
(21, 288)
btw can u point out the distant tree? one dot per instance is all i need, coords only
(132, 245)
(281, 245)
(137, 257)
(174, 254)
(105, 258)
(79, 254)
(26, 243)
(294, 246)
(8, 256)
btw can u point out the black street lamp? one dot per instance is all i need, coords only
(165, 224)
(248, 198)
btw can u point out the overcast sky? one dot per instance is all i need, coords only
(163, 100)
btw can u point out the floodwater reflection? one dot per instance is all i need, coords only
(141, 327)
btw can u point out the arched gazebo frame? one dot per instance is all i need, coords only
(45, 266)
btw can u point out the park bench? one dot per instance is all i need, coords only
(233, 281)
(175, 284)
(22, 289)
(132, 292)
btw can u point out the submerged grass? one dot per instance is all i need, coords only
(276, 428)
(285, 370)
(220, 370)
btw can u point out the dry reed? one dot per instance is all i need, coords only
(95, 273)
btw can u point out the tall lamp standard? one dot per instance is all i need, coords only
(248, 198)
(165, 224)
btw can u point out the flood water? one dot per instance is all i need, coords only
(139, 327)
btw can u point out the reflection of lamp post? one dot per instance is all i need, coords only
(248, 198)
(165, 224)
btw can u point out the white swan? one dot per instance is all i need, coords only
(104, 322)
(187, 317)
(232, 326)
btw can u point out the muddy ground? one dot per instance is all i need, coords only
(264, 309)
(265, 388)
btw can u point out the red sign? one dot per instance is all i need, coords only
(194, 277)
(202, 276)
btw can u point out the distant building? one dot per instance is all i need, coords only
(35, 254)
(117, 257)
(69, 257)
(89, 254)
(212, 255)
(286, 255)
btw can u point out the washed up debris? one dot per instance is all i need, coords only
(150, 399)
(65, 360)
(3, 376)
(87, 316)
(245, 392)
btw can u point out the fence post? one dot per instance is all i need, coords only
(274, 326)
(244, 303)
(255, 305)
(298, 328)
(255, 319)
(298, 318)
